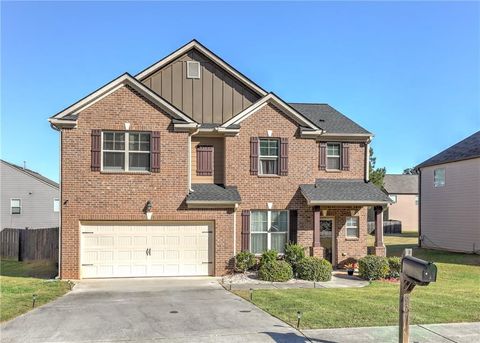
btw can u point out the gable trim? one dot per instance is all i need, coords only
(109, 88)
(194, 44)
(271, 98)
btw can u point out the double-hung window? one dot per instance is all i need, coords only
(333, 156)
(268, 230)
(56, 205)
(268, 157)
(352, 227)
(126, 151)
(439, 177)
(15, 206)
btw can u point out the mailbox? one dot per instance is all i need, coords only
(420, 271)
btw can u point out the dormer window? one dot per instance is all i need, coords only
(193, 70)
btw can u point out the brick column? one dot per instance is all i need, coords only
(317, 249)
(379, 247)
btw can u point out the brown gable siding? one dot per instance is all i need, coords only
(214, 98)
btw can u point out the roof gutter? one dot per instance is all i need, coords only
(212, 204)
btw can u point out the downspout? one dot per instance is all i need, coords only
(235, 230)
(189, 150)
(367, 161)
(61, 202)
(419, 208)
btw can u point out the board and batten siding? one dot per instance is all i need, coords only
(213, 98)
(450, 215)
(36, 199)
(218, 175)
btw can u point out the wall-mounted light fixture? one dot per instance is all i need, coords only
(352, 212)
(148, 209)
(324, 213)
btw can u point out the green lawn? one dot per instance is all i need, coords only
(453, 298)
(20, 280)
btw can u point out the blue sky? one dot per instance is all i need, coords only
(407, 71)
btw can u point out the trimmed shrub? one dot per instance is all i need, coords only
(276, 270)
(395, 266)
(373, 267)
(244, 261)
(314, 269)
(268, 257)
(294, 253)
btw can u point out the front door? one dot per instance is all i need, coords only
(327, 238)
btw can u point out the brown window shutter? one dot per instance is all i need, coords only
(245, 230)
(254, 156)
(293, 223)
(345, 156)
(204, 160)
(322, 161)
(284, 156)
(96, 149)
(155, 152)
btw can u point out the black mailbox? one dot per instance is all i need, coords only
(420, 271)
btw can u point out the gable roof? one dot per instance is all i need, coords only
(400, 184)
(194, 44)
(32, 173)
(274, 99)
(463, 150)
(329, 119)
(71, 112)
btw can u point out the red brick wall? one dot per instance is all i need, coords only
(101, 196)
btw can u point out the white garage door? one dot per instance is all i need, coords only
(127, 250)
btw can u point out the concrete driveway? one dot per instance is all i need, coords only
(148, 310)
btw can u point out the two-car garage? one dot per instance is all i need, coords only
(146, 249)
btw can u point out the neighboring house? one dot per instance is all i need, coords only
(29, 200)
(450, 198)
(403, 191)
(176, 170)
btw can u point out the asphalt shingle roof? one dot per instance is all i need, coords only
(32, 173)
(212, 192)
(401, 184)
(463, 150)
(343, 190)
(328, 118)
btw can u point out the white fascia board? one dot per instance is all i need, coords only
(271, 98)
(182, 127)
(194, 44)
(68, 124)
(211, 204)
(113, 86)
(359, 135)
(346, 202)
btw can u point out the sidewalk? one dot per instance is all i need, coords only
(426, 333)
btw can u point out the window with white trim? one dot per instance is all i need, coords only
(268, 157)
(352, 228)
(439, 177)
(56, 205)
(15, 206)
(393, 197)
(125, 151)
(268, 230)
(193, 70)
(333, 156)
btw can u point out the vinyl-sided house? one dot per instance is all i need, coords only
(403, 191)
(29, 200)
(175, 170)
(450, 198)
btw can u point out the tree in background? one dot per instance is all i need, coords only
(376, 174)
(410, 171)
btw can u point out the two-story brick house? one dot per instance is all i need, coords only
(175, 170)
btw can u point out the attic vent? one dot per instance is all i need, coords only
(193, 70)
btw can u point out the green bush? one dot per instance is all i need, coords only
(373, 267)
(294, 253)
(276, 270)
(395, 266)
(268, 257)
(244, 261)
(314, 269)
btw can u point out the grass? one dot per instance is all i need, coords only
(20, 280)
(453, 298)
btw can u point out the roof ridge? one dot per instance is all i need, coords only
(309, 103)
(32, 173)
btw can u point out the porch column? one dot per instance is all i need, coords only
(317, 249)
(379, 248)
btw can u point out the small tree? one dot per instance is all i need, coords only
(376, 174)
(410, 171)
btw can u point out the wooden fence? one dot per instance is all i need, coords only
(28, 245)
(389, 227)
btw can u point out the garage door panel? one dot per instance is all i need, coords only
(146, 250)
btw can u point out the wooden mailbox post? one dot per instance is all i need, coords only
(414, 272)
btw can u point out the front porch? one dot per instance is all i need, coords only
(340, 219)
